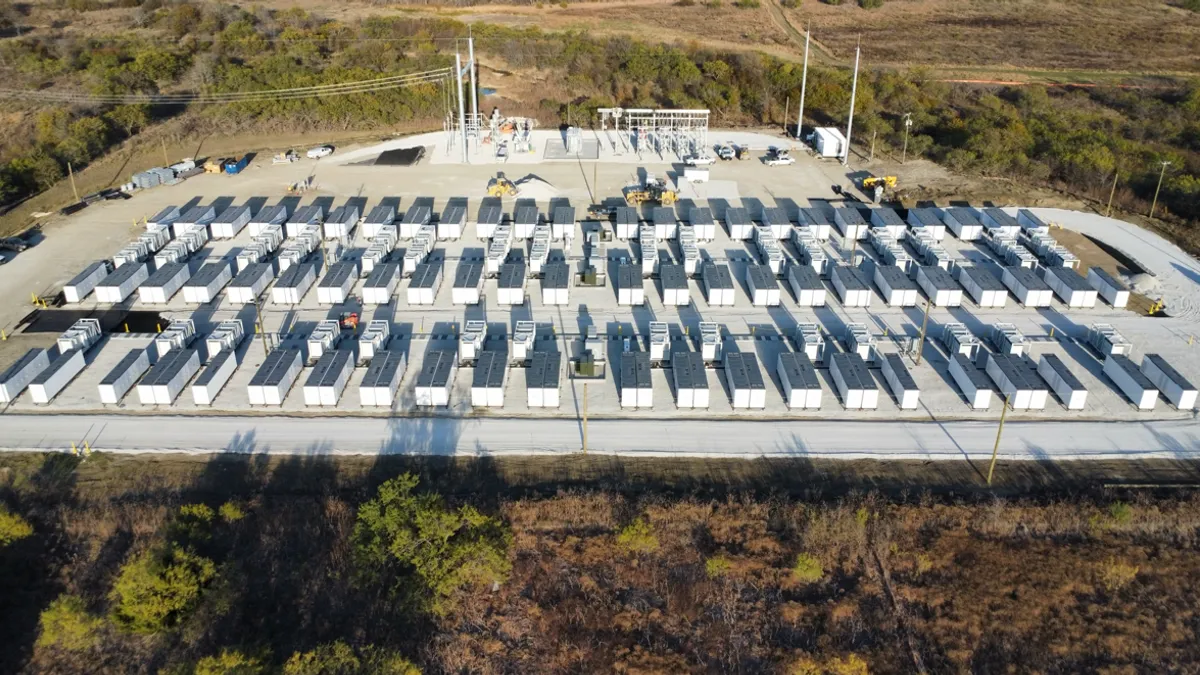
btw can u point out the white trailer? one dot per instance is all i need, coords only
(851, 286)
(56, 376)
(1178, 390)
(1066, 386)
(636, 389)
(342, 221)
(676, 292)
(746, 384)
(996, 221)
(900, 381)
(510, 286)
(630, 286)
(122, 377)
(963, 222)
(818, 221)
(890, 221)
(1113, 290)
(737, 221)
(378, 217)
(249, 285)
(204, 286)
(829, 142)
(854, 382)
(983, 286)
(1072, 289)
(972, 381)
(488, 379)
(382, 379)
(335, 287)
(213, 378)
(328, 379)
(798, 376)
(939, 286)
(163, 384)
(850, 223)
(690, 379)
(452, 221)
(762, 286)
(541, 380)
(556, 284)
(166, 281)
(294, 283)
(1129, 379)
(626, 222)
(488, 218)
(17, 376)
(927, 220)
(119, 285)
(424, 284)
(435, 378)
(231, 221)
(271, 215)
(895, 286)
(275, 377)
(1031, 223)
(381, 284)
(1027, 287)
(806, 286)
(468, 284)
(1016, 381)
(703, 223)
(83, 283)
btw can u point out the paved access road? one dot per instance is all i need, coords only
(717, 438)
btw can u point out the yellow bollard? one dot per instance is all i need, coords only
(158, 326)
(1051, 332)
(885, 331)
(3, 335)
(73, 451)
(1190, 337)
(87, 448)
(126, 328)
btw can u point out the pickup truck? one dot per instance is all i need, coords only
(778, 157)
(700, 160)
(725, 152)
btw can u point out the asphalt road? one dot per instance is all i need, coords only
(717, 438)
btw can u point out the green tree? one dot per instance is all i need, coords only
(401, 531)
(192, 525)
(66, 624)
(230, 662)
(339, 658)
(155, 589)
(807, 569)
(231, 512)
(638, 537)
(129, 118)
(12, 527)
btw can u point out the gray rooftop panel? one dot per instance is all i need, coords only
(977, 376)
(292, 275)
(672, 276)
(564, 215)
(338, 273)
(435, 371)
(168, 367)
(851, 215)
(815, 216)
(512, 275)
(1014, 368)
(737, 215)
(887, 216)
(381, 275)
(983, 278)
(852, 278)
(556, 275)
(425, 275)
(1131, 368)
(467, 274)
(896, 278)
(20, 363)
(627, 215)
(205, 275)
(762, 276)
(1070, 278)
(1001, 217)
(1172, 374)
(926, 216)
(700, 216)
(122, 274)
(454, 213)
(119, 369)
(773, 215)
(214, 365)
(1109, 279)
(87, 272)
(1027, 278)
(418, 214)
(896, 363)
(271, 214)
(663, 215)
(940, 278)
(806, 277)
(164, 274)
(526, 215)
(848, 364)
(336, 363)
(964, 215)
(286, 358)
(55, 366)
(717, 275)
(233, 213)
(264, 371)
(629, 276)
(490, 213)
(250, 274)
(382, 214)
(689, 371)
(742, 368)
(801, 373)
(1064, 373)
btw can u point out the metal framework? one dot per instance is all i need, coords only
(466, 127)
(683, 132)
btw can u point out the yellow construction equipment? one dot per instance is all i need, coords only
(653, 190)
(500, 186)
(870, 182)
(216, 164)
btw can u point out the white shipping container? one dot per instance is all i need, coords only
(17, 376)
(214, 377)
(1072, 289)
(207, 282)
(1129, 379)
(1113, 290)
(1064, 383)
(250, 284)
(1178, 390)
(983, 287)
(121, 379)
(801, 386)
(82, 285)
(164, 283)
(1027, 288)
(119, 285)
(56, 376)
(972, 381)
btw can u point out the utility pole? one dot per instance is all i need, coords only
(924, 325)
(1160, 180)
(71, 173)
(907, 124)
(787, 106)
(585, 384)
(474, 89)
(803, 87)
(262, 331)
(163, 144)
(1113, 191)
(462, 113)
(996, 447)
(872, 157)
(853, 95)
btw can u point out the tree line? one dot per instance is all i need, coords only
(1077, 138)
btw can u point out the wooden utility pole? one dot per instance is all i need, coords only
(873, 134)
(262, 331)
(787, 108)
(924, 325)
(163, 144)
(1160, 180)
(1111, 193)
(585, 384)
(71, 173)
(996, 447)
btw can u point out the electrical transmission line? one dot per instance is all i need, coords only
(322, 90)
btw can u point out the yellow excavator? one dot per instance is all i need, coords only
(501, 186)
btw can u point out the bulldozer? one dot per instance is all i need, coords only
(653, 190)
(870, 182)
(501, 186)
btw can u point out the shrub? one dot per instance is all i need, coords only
(231, 512)
(638, 537)
(747, 4)
(66, 624)
(1116, 575)
(717, 566)
(230, 663)
(807, 569)
(790, 4)
(861, 516)
(13, 527)
(339, 658)
(1120, 512)
(850, 665)
(445, 550)
(156, 588)
(685, 3)
(870, 4)
(193, 524)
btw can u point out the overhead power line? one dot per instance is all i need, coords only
(322, 90)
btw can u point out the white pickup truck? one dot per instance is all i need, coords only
(700, 160)
(778, 157)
